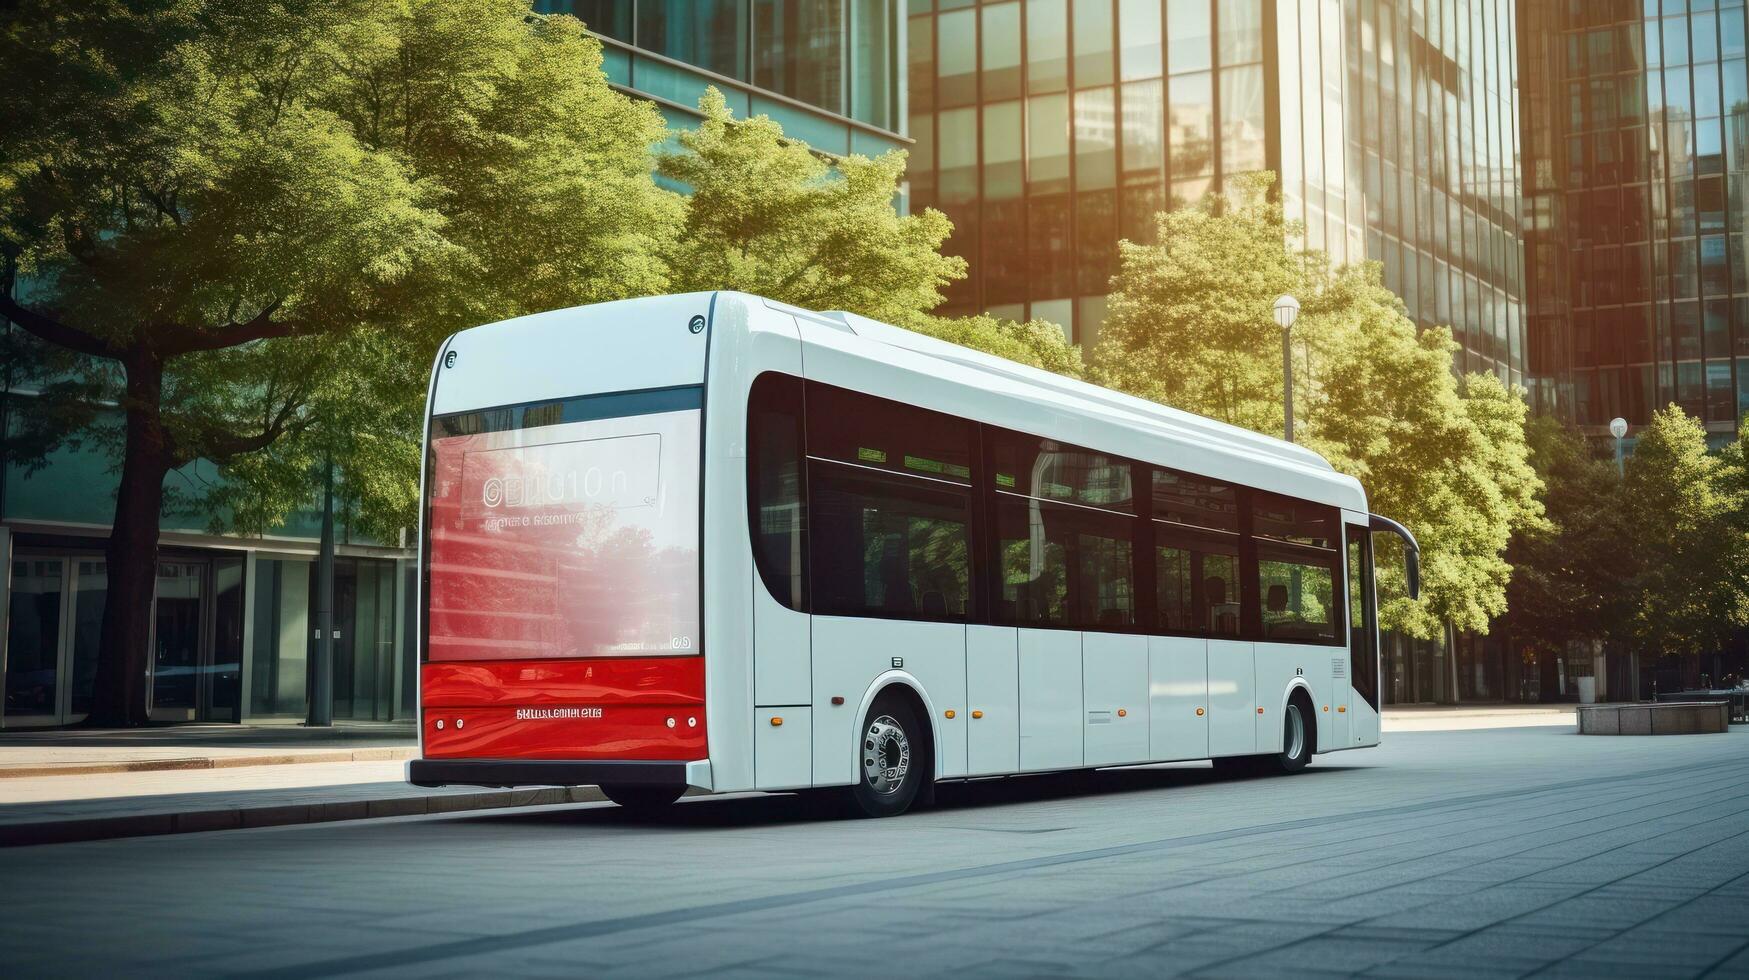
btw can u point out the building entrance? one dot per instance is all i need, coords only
(54, 613)
(55, 619)
(197, 640)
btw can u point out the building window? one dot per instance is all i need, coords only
(708, 33)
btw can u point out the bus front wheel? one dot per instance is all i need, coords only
(646, 798)
(1299, 739)
(892, 759)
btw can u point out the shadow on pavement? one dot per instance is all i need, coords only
(778, 808)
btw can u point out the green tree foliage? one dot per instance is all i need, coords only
(1190, 324)
(246, 225)
(768, 216)
(1686, 509)
(1570, 575)
(1038, 343)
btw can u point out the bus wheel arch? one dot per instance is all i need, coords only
(895, 699)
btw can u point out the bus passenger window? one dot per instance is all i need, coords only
(888, 545)
(1063, 566)
(777, 510)
(1299, 600)
(1196, 589)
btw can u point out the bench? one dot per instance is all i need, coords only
(1669, 718)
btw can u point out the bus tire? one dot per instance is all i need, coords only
(892, 759)
(642, 798)
(1299, 737)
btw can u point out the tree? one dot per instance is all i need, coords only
(246, 225)
(768, 216)
(1038, 343)
(1190, 325)
(1570, 576)
(1685, 507)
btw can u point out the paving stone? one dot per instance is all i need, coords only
(1441, 854)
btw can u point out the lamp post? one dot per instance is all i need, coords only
(1287, 310)
(1618, 427)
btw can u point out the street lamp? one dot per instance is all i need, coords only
(1287, 310)
(1618, 427)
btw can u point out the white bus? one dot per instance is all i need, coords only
(712, 541)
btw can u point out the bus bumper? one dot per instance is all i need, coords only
(556, 772)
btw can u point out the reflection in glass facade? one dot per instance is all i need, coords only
(1637, 127)
(1049, 129)
(838, 56)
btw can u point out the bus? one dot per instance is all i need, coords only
(714, 542)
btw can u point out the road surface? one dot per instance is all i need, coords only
(1480, 853)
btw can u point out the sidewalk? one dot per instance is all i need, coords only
(1472, 717)
(78, 784)
(78, 751)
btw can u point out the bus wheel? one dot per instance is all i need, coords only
(890, 758)
(1297, 739)
(646, 798)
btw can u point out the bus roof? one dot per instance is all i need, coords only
(1298, 470)
(850, 349)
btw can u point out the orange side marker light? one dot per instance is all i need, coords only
(776, 721)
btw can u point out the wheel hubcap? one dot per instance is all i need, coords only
(886, 755)
(1296, 732)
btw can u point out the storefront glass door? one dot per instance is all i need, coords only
(176, 640)
(54, 619)
(197, 640)
(35, 611)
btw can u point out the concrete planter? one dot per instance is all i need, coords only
(1678, 718)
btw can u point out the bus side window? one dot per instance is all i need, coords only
(777, 496)
(1363, 657)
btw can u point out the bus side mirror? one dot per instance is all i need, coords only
(1411, 552)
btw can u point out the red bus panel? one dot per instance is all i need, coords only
(645, 708)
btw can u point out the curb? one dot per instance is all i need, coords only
(206, 762)
(282, 815)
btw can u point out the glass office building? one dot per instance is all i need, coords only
(826, 70)
(1049, 129)
(1637, 130)
(233, 635)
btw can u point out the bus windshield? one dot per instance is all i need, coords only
(565, 529)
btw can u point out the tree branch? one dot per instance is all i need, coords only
(222, 447)
(183, 339)
(54, 331)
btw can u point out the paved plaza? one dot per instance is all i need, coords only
(1503, 852)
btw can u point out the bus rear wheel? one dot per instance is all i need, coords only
(891, 758)
(642, 798)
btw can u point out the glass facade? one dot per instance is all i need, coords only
(1050, 129)
(837, 56)
(1637, 130)
(1432, 175)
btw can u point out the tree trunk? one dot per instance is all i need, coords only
(120, 692)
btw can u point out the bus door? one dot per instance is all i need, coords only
(1363, 648)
